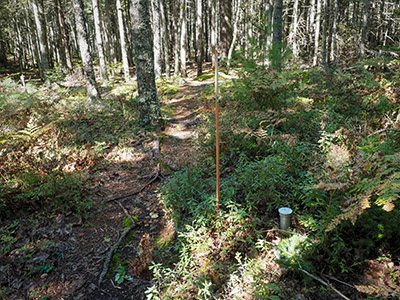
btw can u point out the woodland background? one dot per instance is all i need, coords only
(96, 93)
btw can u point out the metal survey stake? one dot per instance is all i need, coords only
(217, 128)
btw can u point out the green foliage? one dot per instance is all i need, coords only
(55, 192)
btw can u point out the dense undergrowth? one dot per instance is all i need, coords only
(325, 144)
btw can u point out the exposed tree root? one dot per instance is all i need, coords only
(155, 177)
(111, 251)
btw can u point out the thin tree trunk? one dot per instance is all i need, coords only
(294, 30)
(165, 36)
(99, 40)
(276, 57)
(334, 34)
(269, 8)
(42, 41)
(364, 28)
(235, 32)
(155, 4)
(176, 30)
(199, 36)
(316, 36)
(144, 58)
(214, 26)
(86, 55)
(121, 27)
(183, 36)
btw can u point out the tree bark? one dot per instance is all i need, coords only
(235, 32)
(316, 36)
(155, 4)
(99, 40)
(199, 36)
(334, 34)
(176, 30)
(165, 36)
(121, 26)
(3, 52)
(144, 59)
(225, 13)
(276, 55)
(293, 37)
(183, 37)
(363, 40)
(42, 42)
(86, 55)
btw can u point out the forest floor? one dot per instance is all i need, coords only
(75, 250)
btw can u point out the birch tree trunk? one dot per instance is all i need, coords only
(316, 36)
(86, 55)
(199, 36)
(125, 63)
(294, 30)
(183, 37)
(334, 34)
(155, 4)
(42, 42)
(268, 38)
(214, 23)
(235, 32)
(176, 30)
(99, 40)
(144, 59)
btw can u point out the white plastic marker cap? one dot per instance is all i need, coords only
(285, 211)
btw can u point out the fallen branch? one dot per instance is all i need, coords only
(111, 251)
(337, 280)
(323, 282)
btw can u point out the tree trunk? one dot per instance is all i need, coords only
(165, 36)
(235, 32)
(316, 36)
(144, 59)
(199, 36)
(225, 13)
(99, 40)
(214, 26)
(276, 53)
(268, 30)
(155, 4)
(121, 27)
(293, 37)
(334, 34)
(176, 30)
(183, 36)
(42, 42)
(86, 55)
(364, 28)
(3, 52)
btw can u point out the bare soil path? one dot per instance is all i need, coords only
(78, 248)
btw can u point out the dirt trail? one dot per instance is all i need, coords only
(80, 248)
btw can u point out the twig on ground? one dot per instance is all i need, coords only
(337, 280)
(125, 211)
(323, 282)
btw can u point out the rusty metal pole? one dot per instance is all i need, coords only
(217, 128)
